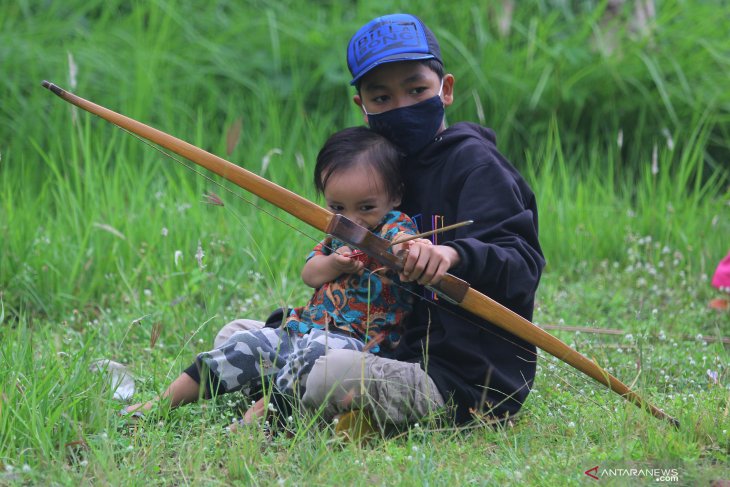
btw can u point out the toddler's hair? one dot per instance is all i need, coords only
(359, 145)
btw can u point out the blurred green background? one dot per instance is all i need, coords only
(617, 113)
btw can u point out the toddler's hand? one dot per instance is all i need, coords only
(345, 262)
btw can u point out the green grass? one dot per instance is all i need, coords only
(624, 142)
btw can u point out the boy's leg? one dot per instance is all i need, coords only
(182, 390)
(389, 390)
(235, 326)
(241, 361)
(247, 357)
(307, 349)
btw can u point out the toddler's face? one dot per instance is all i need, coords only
(358, 193)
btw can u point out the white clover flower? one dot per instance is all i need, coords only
(271, 407)
(199, 254)
(164, 231)
(335, 421)
(414, 448)
(713, 375)
(571, 425)
(130, 448)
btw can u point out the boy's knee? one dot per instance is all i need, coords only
(235, 326)
(328, 374)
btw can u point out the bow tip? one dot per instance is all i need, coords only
(55, 89)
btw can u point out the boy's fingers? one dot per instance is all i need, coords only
(420, 265)
(409, 261)
(438, 273)
(431, 273)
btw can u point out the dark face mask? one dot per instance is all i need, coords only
(411, 128)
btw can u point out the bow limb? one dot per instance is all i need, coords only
(451, 287)
(292, 203)
(485, 307)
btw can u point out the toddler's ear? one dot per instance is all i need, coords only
(396, 201)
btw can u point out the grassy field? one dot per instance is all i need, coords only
(621, 127)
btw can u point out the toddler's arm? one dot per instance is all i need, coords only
(322, 269)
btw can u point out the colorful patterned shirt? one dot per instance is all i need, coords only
(370, 306)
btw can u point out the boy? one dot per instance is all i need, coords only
(356, 304)
(446, 356)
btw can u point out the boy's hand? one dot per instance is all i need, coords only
(344, 262)
(426, 263)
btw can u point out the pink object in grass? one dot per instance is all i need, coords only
(721, 279)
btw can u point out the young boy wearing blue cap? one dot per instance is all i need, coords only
(451, 174)
(446, 356)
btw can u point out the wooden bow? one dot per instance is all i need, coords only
(450, 287)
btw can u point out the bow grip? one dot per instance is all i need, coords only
(450, 287)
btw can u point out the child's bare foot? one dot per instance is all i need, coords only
(257, 410)
(137, 410)
(182, 390)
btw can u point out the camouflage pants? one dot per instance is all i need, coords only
(342, 380)
(249, 357)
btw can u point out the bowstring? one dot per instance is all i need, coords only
(416, 294)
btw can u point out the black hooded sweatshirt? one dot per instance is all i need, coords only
(461, 176)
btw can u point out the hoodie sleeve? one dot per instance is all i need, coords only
(500, 252)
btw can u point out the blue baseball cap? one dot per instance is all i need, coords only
(396, 37)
